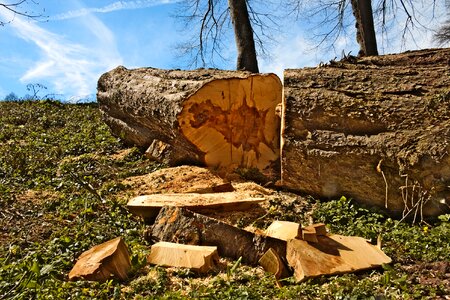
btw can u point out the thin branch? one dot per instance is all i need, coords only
(15, 8)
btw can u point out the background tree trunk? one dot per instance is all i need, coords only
(365, 30)
(243, 33)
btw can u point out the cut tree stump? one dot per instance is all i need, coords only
(332, 254)
(180, 225)
(102, 262)
(211, 117)
(198, 258)
(148, 206)
(376, 129)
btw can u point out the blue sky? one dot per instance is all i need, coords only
(82, 39)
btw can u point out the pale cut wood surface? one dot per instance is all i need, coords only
(148, 206)
(211, 117)
(333, 254)
(197, 258)
(272, 263)
(102, 262)
(283, 230)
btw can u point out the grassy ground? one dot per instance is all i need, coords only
(60, 181)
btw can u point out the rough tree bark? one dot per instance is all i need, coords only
(377, 130)
(209, 117)
(243, 32)
(365, 29)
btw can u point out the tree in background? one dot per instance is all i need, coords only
(18, 8)
(442, 36)
(243, 33)
(11, 97)
(212, 18)
(370, 17)
(365, 29)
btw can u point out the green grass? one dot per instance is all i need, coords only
(60, 184)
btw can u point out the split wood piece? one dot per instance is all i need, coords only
(148, 206)
(333, 254)
(212, 117)
(272, 263)
(198, 258)
(101, 262)
(283, 230)
(310, 233)
(177, 224)
(318, 229)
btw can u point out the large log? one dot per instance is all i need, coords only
(180, 225)
(209, 117)
(376, 129)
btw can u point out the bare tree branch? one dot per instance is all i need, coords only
(334, 21)
(208, 23)
(17, 9)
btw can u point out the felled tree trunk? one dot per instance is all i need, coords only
(210, 117)
(376, 129)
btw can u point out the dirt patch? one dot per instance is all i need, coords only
(22, 220)
(434, 274)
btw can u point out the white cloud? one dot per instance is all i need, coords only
(71, 68)
(116, 6)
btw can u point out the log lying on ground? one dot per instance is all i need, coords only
(198, 258)
(102, 262)
(211, 117)
(376, 129)
(148, 206)
(179, 225)
(332, 254)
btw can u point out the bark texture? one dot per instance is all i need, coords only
(212, 117)
(376, 129)
(179, 225)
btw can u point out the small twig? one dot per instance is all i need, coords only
(379, 170)
(87, 186)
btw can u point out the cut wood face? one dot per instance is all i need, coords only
(103, 261)
(333, 254)
(233, 121)
(148, 206)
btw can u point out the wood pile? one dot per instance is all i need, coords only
(182, 236)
